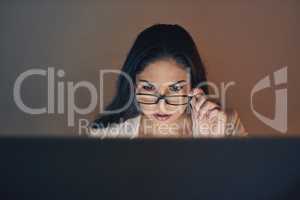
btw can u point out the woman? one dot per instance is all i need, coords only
(164, 92)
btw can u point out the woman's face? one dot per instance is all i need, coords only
(164, 77)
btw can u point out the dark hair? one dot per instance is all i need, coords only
(156, 42)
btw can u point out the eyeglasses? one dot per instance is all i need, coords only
(175, 100)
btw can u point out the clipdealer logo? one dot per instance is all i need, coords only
(280, 78)
(56, 100)
(56, 90)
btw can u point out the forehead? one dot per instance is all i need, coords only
(163, 72)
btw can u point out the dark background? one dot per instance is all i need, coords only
(240, 41)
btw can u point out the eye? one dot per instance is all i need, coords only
(175, 88)
(148, 87)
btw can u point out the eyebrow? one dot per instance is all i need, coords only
(169, 85)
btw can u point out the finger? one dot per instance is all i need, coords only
(196, 109)
(196, 91)
(200, 100)
(207, 107)
(196, 102)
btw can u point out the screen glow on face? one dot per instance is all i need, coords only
(177, 87)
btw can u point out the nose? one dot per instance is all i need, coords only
(162, 106)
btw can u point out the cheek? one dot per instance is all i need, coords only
(177, 112)
(148, 109)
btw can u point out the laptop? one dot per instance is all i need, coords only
(90, 168)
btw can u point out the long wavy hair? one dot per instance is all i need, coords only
(156, 42)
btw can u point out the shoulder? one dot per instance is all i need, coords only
(126, 129)
(234, 125)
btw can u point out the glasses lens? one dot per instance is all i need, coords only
(147, 99)
(177, 100)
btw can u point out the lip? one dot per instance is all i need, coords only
(161, 117)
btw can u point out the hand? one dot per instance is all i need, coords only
(208, 118)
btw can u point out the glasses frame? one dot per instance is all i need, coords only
(159, 97)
